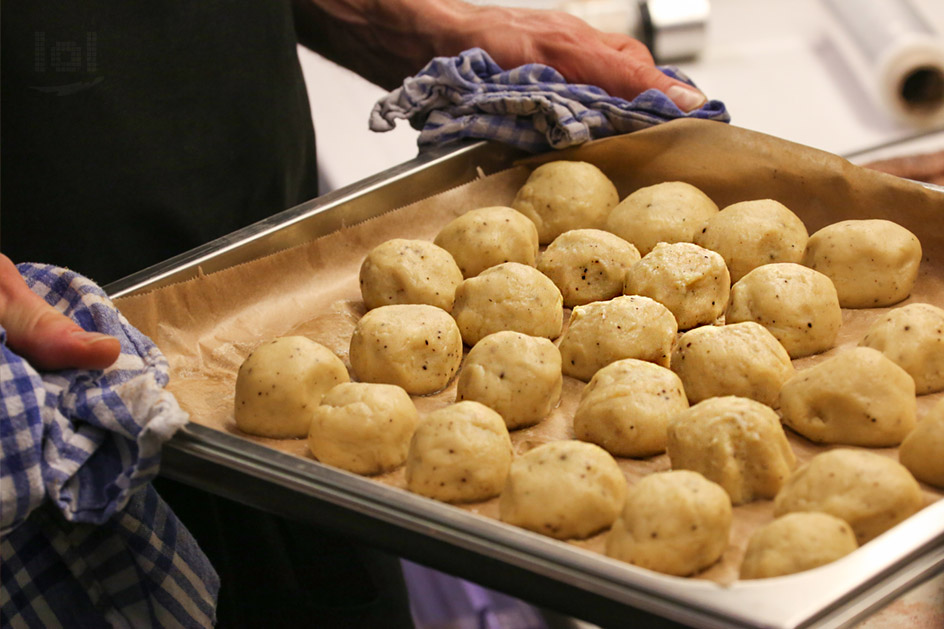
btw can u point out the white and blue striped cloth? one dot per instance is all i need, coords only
(84, 538)
(531, 107)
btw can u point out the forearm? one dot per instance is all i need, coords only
(386, 41)
(382, 40)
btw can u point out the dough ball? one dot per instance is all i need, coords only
(509, 296)
(742, 359)
(858, 397)
(674, 522)
(922, 451)
(487, 236)
(796, 542)
(563, 489)
(751, 233)
(516, 375)
(691, 281)
(401, 271)
(797, 304)
(735, 442)
(587, 265)
(563, 195)
(626, 407)
(629, 326)
(280, 384)
(872, 262)
(362, 427)
(672, 211)
(460, 453)
(912, 337)
(871, 492)
(416, 347)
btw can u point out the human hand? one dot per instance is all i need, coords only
(615, 62)
(44, 336)
(386, 41)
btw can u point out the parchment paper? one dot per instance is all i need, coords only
(208, 325)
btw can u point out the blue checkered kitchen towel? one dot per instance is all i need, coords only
(85, 541)
(531, 107)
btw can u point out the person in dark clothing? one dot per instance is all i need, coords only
(132, 132)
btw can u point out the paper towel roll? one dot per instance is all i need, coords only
(896, 54)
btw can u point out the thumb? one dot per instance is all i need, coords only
(685, 97)
(44, 336)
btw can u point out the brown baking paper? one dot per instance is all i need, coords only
(208, 325)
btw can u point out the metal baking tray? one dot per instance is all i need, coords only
(546, 572)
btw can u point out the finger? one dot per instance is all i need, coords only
(44, 336)
(637, 72)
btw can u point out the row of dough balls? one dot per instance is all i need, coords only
(725, 451)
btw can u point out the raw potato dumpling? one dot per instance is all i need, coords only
(563, 489)
(735, 442)
(625, 327)
(516, 375)
(363, 428)
(797, 304)
(870, 491)
(672, 211)
(487, 236)
(587, 265)
(922, 451)
(691, 281)
(913, 338)
(280, 384)
(742, 359)
(674, 522)
(401, 271)
(563, 195)
(858, 397)
(509, 296)
(416, 347)
(796, 542)
(626, 407)
(459, 453)
(872, 262)
(751, 233)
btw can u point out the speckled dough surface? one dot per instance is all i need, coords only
(857, 397)
(416, 347)
(484, 237)
(362, 427)
(797, 304)
(402, 271)
(509, 296)
(869, 491)
(626, 407)
(912, 336)
(281, 382)
(675, 522)
(587, 265)
(796, 542)
(751, 233)
(691, 281)
(564, 489)
(629, 326)
(672, 211)
(735, 442)
(563, 195)
(742, 359)
(872, 262)
(516, 375)
(459, 453)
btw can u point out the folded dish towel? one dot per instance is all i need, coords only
(86, 541)
(531, 107)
